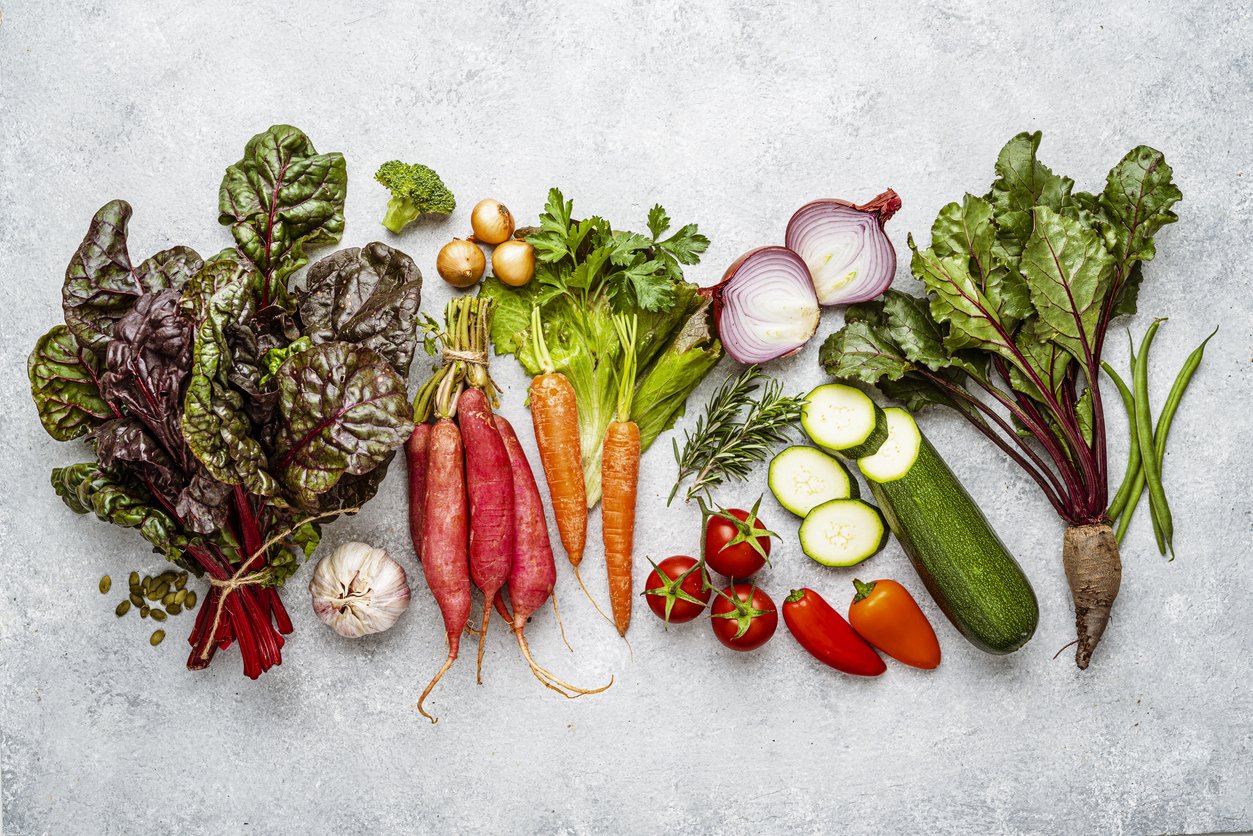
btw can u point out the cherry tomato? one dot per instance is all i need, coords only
(744, 617)
(676, 590)
(736, 543)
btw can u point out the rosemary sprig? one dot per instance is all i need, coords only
(735, 433)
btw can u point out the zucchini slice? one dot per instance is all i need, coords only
(804, 477)
(897, 454)
(844, 419)
(843, 532)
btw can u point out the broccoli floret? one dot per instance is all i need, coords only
(416, 190)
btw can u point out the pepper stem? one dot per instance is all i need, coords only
(863, 589)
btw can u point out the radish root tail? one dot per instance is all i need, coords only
(1094, 572)
(549, 680)
(447, 664)
(487, 615)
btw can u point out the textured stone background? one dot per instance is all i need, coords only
(732, 114)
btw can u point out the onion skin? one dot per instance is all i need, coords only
(807, 224)
(513, 262)
(742, 334)
(460, 263)
(492, 222)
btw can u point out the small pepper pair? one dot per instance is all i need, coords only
(882, 614)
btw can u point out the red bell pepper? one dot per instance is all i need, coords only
(827, 636)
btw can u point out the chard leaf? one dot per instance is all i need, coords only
(1128, 293)
(344, 409)
(88, 488)
(203, 503)
(217, 273)
(280, 198)
(973, 318)
(147, 364)
(1023, 183)
(916, 392)
(214, 420)
(1069, 273)
(64, 383)
(124, 444)
(909, 323)
(101, 285)
(967, 229)
(368, 296)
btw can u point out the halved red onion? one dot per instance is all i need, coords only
(765, 305)
(848, 254)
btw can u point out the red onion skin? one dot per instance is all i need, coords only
(714, 294)
(882, 207)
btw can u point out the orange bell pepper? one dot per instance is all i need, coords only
(888, 617)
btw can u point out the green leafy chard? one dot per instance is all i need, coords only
(1021, 285)
(230, 415)
(588, 271)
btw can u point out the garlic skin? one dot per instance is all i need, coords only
(358, 590)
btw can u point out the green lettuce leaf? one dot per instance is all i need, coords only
(280, 198)
(344, 410)
(64, 383)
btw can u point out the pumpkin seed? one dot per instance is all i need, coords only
(191, 600)
(106, 583)
(156, 638)
(180, 581)
(144, 610)
(174, 609)
(167, 599)
(180, 596)
(161, 588)
(123, 608)
(157, 615)
(134, 579)
(136, 599)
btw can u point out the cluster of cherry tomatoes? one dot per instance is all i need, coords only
(737, 545)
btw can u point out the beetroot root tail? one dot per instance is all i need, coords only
(1094, 572)
(447, 664)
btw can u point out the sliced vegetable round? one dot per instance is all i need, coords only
(804, 477)
(844, 419)
(843, 532)
(898, 452)
(845, 248)
(765, 305)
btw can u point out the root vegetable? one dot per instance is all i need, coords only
(1094, 571)
(491, 497)
(444, 558)
(620, 473)
(533, 571)
(416, 454)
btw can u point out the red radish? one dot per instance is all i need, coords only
(444, 559)
(534, 572)
(416, 452)
(491, 496)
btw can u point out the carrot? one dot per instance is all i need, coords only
(555, 414)
(533, 571)
(444, 559)
(416, 449)
(490, 488)
(620, 471)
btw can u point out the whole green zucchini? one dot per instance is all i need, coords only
(964, 565)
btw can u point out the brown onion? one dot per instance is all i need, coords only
(513, 262)
(491, 221)
(460, 263)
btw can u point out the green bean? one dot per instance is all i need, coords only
(1133, 458)
(1163, 526)
(1163, 429)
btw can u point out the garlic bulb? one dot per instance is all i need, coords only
(359, 590)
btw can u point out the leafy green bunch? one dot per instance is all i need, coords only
(587, 273)
(1021, 286)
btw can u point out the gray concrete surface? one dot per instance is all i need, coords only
(732, 114)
